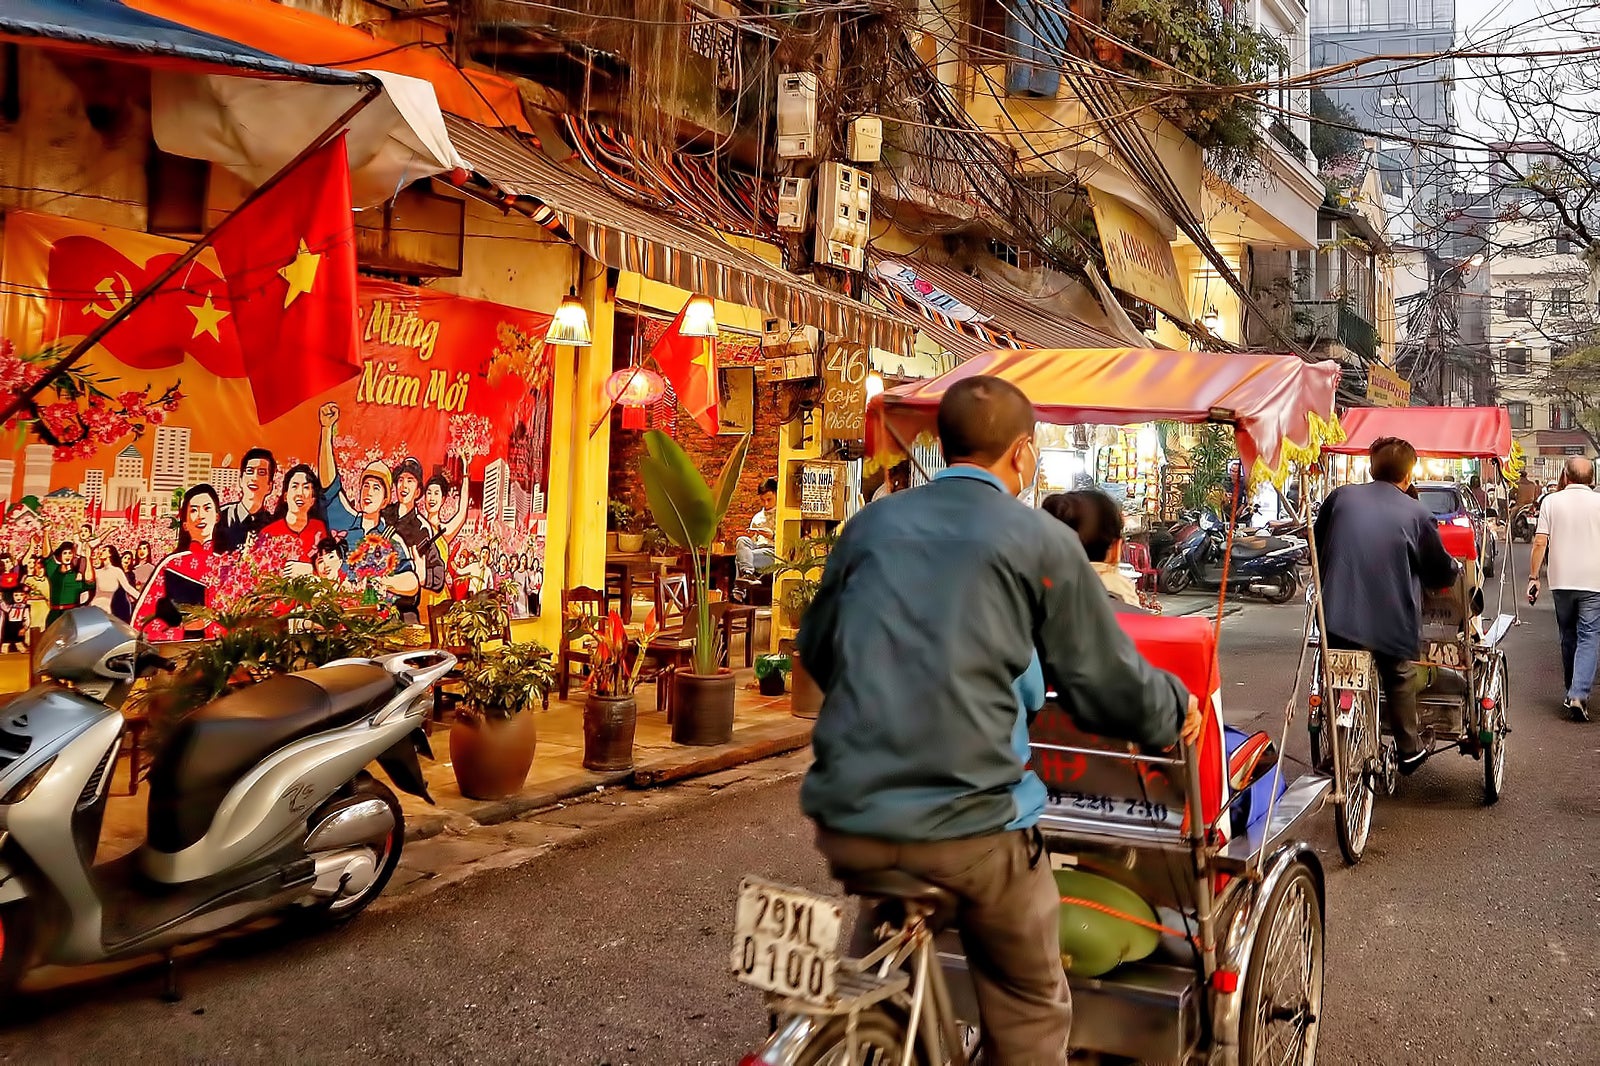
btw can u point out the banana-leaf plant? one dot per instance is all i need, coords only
(689, 510)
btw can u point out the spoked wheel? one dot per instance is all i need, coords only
(1358, 742)
(1494, 749)
(1281, 1013)
(880, 1040)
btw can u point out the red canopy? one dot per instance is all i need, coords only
(1270, 400)
(1435, 432)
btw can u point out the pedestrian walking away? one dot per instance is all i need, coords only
(1568, 539)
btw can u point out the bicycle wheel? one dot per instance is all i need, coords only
(1281, 1010)
(880, 1040)
(1494, 749)
(1357, 748)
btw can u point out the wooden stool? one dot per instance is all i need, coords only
(737, 614)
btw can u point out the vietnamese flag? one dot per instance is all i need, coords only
(290, 263)
(690, 363)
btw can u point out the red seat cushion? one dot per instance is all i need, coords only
(1459, 541)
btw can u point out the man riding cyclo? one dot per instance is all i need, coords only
(1379, 548)
(942, 612)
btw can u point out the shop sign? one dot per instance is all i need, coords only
(822, 485)
(844, 393)
(904, 278)
(1386, 388)
(450, 409)
(1138, 259)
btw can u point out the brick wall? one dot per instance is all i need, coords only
(708, 453)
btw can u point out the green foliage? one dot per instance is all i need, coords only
(284, 625)
(1332, 143)
(1208, 48)
(503, 683)
(1573, 379)
(620, 516)
(472, 621)
(1209, 456)
(804, 564)
(689, 510)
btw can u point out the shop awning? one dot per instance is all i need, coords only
(970, 314)
(626, 236)
(1435, 432)
(1558, 440)
(306, 37)
(1279, 405)
(109, 29)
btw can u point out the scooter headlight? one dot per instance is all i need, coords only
(24, 788)
(62, 634)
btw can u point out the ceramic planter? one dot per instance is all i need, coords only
(630, 542)
(492, 756)
(608, 723)
(702, 708)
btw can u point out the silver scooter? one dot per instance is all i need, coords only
(259, 801)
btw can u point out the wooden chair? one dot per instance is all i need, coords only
(673, 647)
(577, 605)
(132, 747)
(730, 616)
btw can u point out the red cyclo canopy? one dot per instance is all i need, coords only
(1268, 399)
(1435, 432)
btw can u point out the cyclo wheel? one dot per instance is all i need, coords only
(880, 1039)
(1358, 748)
(1281, 1010)
(1494, 751)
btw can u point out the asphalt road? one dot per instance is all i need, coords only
(1467, 936)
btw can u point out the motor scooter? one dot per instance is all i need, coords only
(260, 801)
(1266, 567)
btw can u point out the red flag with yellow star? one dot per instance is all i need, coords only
(290, 263)
(690, 363)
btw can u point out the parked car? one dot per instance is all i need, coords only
(1451, 506)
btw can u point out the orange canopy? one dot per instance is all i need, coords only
(1274, 402)
(309, 38)
(1435, 432)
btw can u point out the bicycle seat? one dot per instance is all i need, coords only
(901, 887)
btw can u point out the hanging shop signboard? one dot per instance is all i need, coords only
(421, 478)
(1386, 388)
(844, 393)
(1138, 259)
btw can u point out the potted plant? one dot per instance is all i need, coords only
(610, 712)
(800, 575)
(688, 510)
(494, 734)
(630, 534)
(619, 516)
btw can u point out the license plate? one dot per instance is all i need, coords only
(1444, 653)
(786, 941)
(1349, 670)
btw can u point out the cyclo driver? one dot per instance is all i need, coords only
(940, 614)
(1378, 548)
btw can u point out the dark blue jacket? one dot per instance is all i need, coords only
(937, 608)
(1378, 547)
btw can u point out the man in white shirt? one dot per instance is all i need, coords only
(754, 550)
(1568, 534)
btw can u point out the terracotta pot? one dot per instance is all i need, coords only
(702, 708)
(630, 542)
(805, 699)
(492, 756)
(608, 723)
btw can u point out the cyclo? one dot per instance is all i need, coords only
(1464, 699)
(1192, 925)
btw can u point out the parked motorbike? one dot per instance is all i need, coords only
(1266, 567)
(1524, 522)
(259, 802)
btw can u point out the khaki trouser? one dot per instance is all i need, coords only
(1009, 921)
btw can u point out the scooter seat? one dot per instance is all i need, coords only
(216, 745)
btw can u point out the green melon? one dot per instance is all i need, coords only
(1092, 941)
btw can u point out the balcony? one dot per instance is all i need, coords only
(1335, 320)
(1285, 137)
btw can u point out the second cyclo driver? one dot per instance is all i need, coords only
(937, 609)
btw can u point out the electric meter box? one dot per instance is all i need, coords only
(794, 203)
(844, 215)
(797, 115)
(866, 139)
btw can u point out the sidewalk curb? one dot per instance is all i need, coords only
(761, 742)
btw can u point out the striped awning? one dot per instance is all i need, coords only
(970, 314)
(626, 236)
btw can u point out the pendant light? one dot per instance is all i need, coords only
(570, 326)
(699, 318)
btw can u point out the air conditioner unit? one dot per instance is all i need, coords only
(866, 139)
(794, 203)
(797, 115)
(844, 215)
(779, 338)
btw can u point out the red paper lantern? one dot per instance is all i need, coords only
(633, 389)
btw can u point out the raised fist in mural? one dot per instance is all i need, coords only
(328, 414)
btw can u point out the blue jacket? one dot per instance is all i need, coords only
(942, 612)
